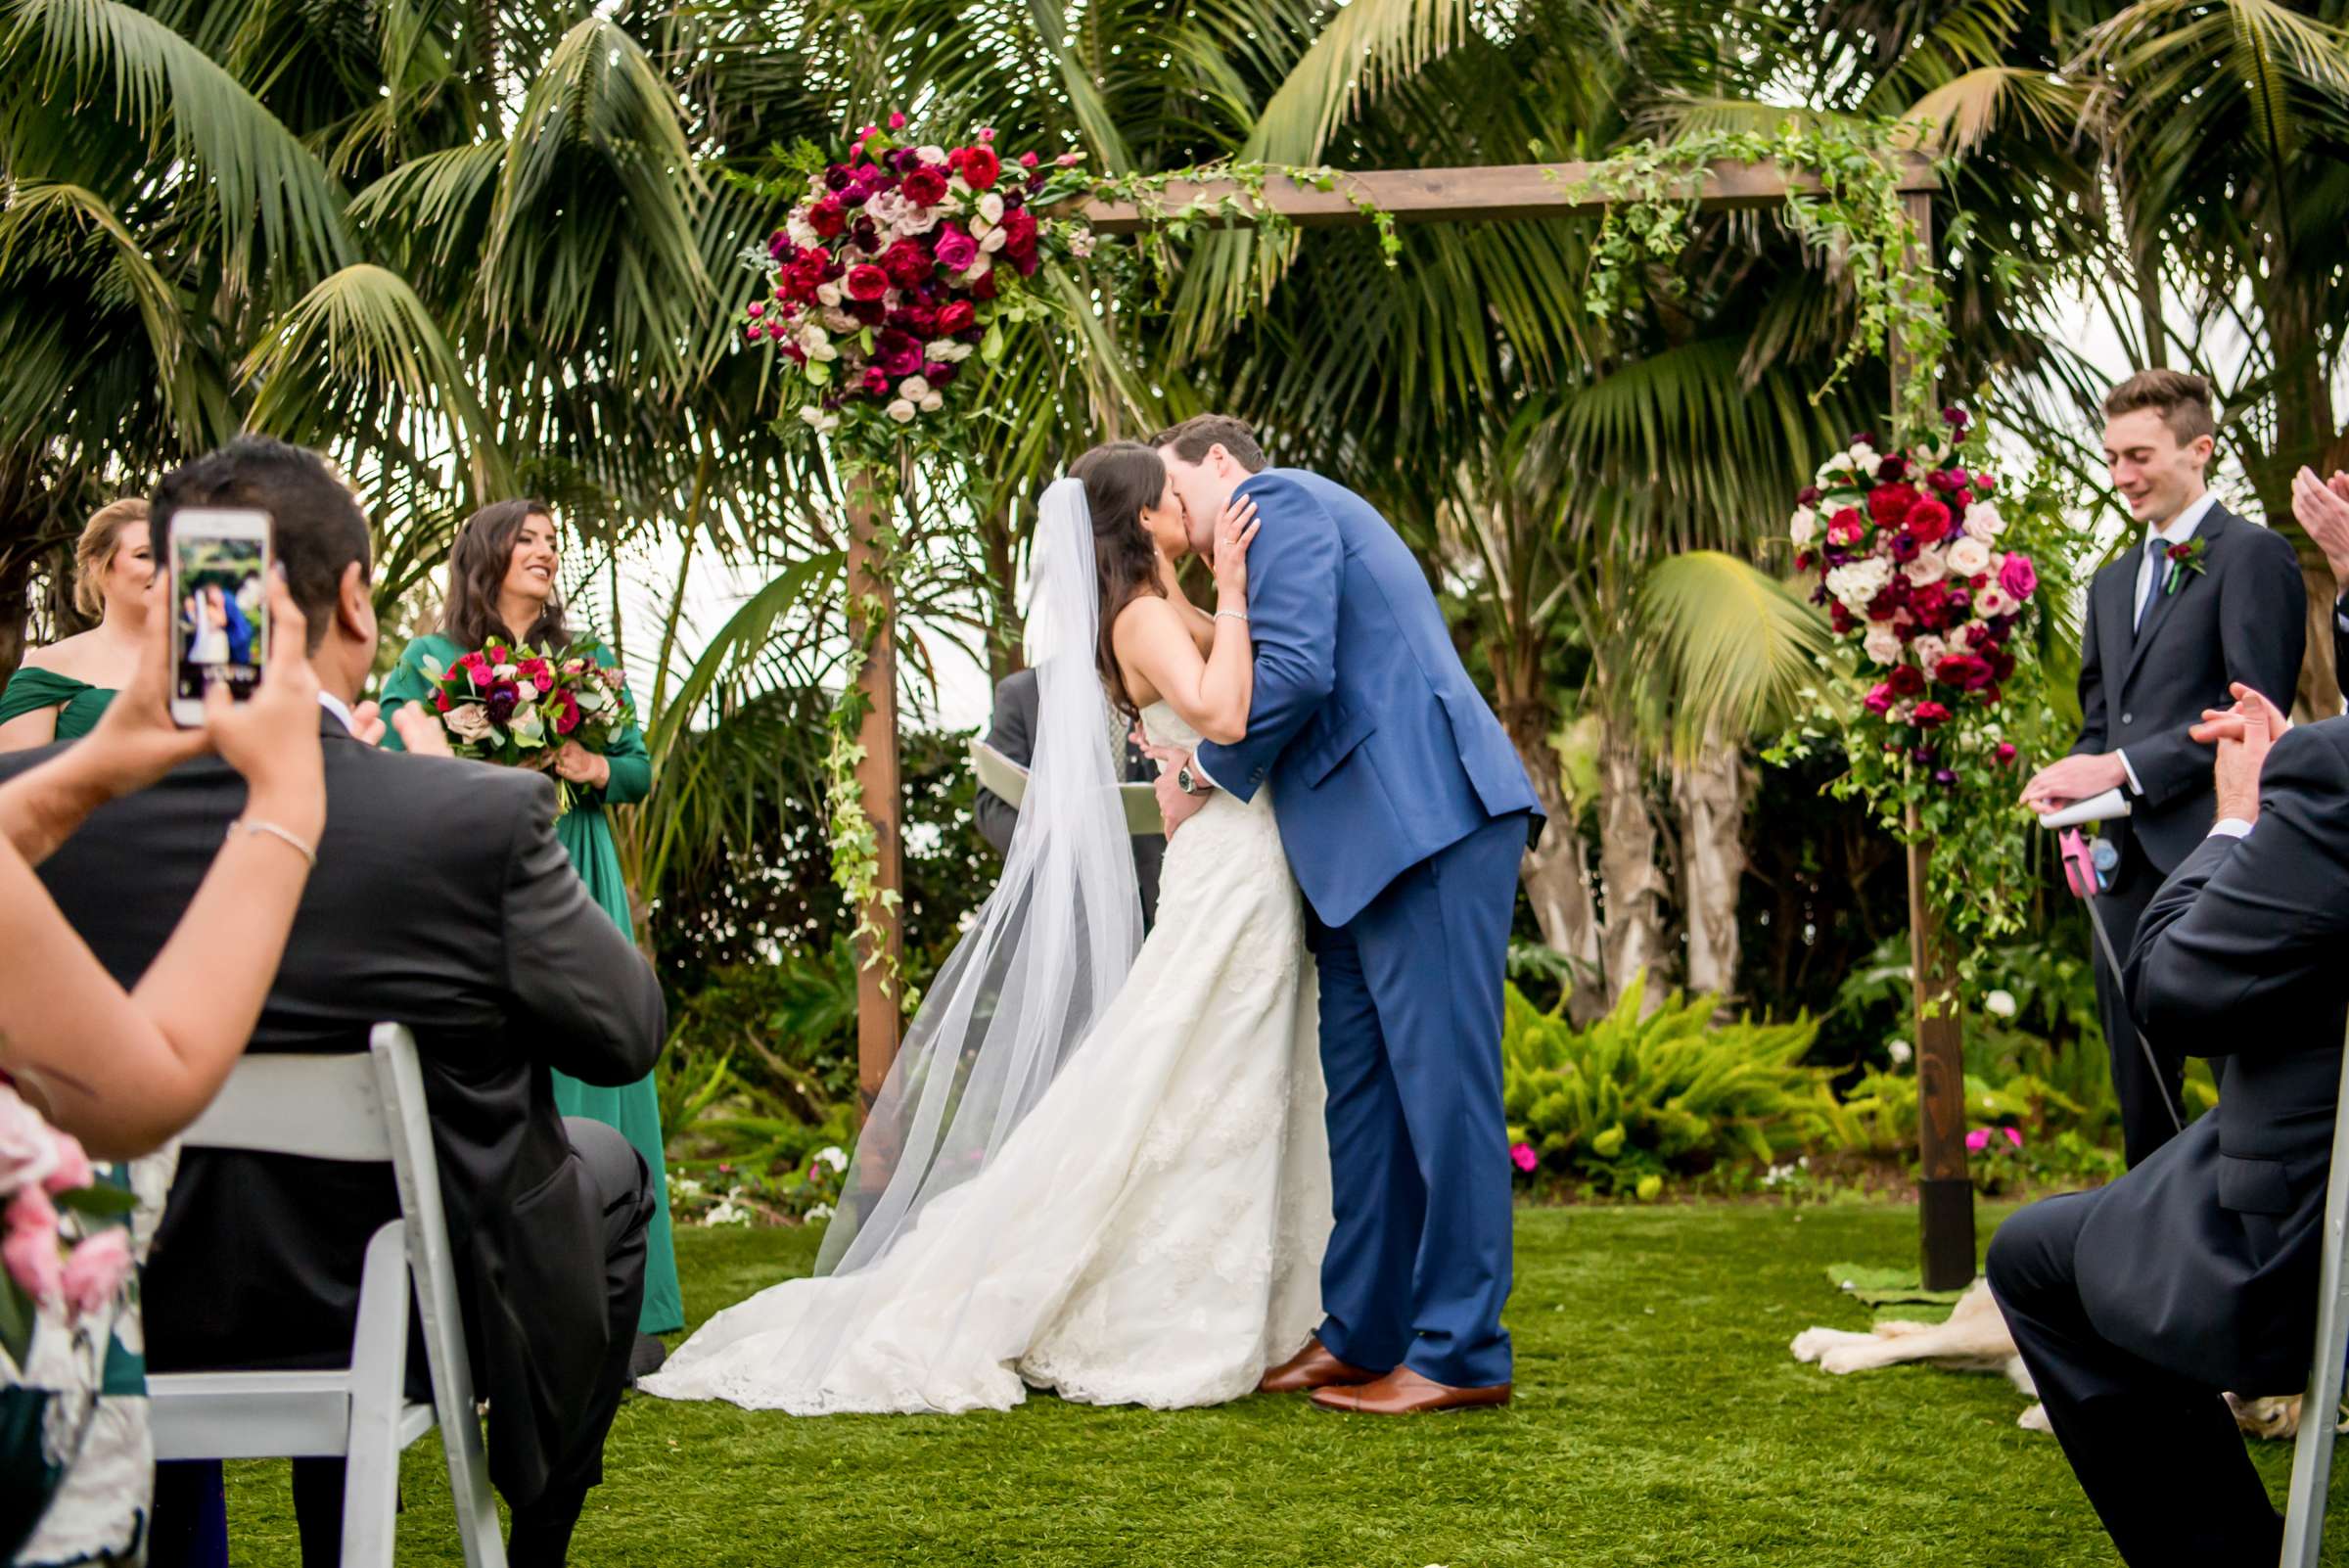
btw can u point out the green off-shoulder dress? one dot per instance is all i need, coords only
(635, 1109)
(78, 703)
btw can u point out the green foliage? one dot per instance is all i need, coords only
(1633, 1100)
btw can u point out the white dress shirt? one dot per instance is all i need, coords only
(339, 708)
(2176, 530)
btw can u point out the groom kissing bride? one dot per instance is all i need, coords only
(1149, 1172)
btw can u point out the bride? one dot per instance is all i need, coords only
(1092, 1170)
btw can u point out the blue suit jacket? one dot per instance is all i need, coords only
(1379, 749)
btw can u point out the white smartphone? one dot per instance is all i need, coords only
(219, 605)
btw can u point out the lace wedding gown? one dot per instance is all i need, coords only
(1151, 1235)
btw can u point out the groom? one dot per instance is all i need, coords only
(1404, 813)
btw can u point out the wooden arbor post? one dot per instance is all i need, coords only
(1457, 195)
(879, 997)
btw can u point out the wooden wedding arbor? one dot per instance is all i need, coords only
(1433, 196)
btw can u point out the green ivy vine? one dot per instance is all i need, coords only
(1855, 217)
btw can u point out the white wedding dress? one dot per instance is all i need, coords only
(1151, 1233)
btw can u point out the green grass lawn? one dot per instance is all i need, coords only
(1659, 1420)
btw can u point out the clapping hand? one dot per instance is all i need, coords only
(2323, 509)
(2242, 734)
(420, 732)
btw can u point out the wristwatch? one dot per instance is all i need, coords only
(1187, 781)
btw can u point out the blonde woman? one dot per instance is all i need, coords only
(60, 690)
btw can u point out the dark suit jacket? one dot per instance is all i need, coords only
(441, 900)
(2203, 1259)
(1013, 733)
(2244, 616)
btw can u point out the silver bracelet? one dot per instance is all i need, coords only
(1236, 615)
(257, 825)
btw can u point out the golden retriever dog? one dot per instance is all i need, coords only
(1974, 1339)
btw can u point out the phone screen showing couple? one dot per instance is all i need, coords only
(219, 599)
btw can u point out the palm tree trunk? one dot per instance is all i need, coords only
(1556, 877)
(1709, 793)
(1631, 883)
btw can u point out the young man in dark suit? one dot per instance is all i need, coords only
(1013, 733)
(2136, 1304)
(2203, 601)
(442, 901)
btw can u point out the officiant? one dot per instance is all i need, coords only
(1013, 733)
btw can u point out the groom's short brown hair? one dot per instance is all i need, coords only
(1194, 436)
(2182, 400)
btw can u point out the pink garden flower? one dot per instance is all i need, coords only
(1979, 1138)
(1523, 1157)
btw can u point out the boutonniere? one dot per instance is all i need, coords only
(2185, 558)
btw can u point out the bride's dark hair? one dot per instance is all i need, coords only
(1120, 478)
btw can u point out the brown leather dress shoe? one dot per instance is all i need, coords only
(1311, 1367)
(1403, 1391)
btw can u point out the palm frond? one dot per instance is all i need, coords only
(1737, 642)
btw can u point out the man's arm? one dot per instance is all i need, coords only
(583, 989)
(2263, 630)
(2246, 933)
(1012, 732)
(1294, 570)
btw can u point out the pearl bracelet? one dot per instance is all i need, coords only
(257, 825)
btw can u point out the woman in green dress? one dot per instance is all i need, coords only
(59, 691)
(502, 583)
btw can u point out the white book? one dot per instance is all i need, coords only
(1008, 781)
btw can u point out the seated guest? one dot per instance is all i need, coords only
(2136, 1304)
(60, 690)
(122, 1070)
(1013, 733)
(442, 901)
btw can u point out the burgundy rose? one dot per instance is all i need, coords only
(1889, 504)
(2018, 577)
(1906, 680)
(837, 178)
(2005, 754)
(871, 312)
(957, 251)
(1804, 560)
(868, 282)
(1905, 549)
(907, 263)
(955, 315)
(1883, 607)
(925, 185)
(1807, 495)
(898, 352)
(866, 233)
(828, 218)
(1955, 417)
(1838, 617)
(939, 375)
(984, 287)
(1966, 671)
(1931, 714)
(501, 703)
(876, 381)
(1893, 469)
(2001, 664)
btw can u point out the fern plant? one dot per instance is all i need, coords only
(1630, 1100)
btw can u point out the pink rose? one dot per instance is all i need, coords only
(1879, 701)
(2005, 753)
(30, 1253)
(73, 1167)
(1523, 1157)
(957, 251)
(93, 1274)
(2018, 577)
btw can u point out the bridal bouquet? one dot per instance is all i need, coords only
(63, 1260)
(1935, 581)
(517, 706)
(899, 264)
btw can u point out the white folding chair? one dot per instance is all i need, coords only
(2320, 1406)
(365, 1109)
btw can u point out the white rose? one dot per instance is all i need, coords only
(1992, 601)
(901, 411)
(947, 351)
(991, 208)
(982, 266)
(828, 295)
(802, 234)
(1930, 567)
(1855, 582)
(817, 342)
(1929, 650)
(29, 1147)
(1803, 527)
(468, 722)
(820, 420)
(932, 402)
(504, 672)
(931, 155)
(1969, 556)
(1982, 522)
(913, 388)
(993, 241)
(980, 222)
(958, 186)
(838, 320)
(1882, 644)
(1863, 458)
(1998, 1004)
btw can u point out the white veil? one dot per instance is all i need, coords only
(1047, 953)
